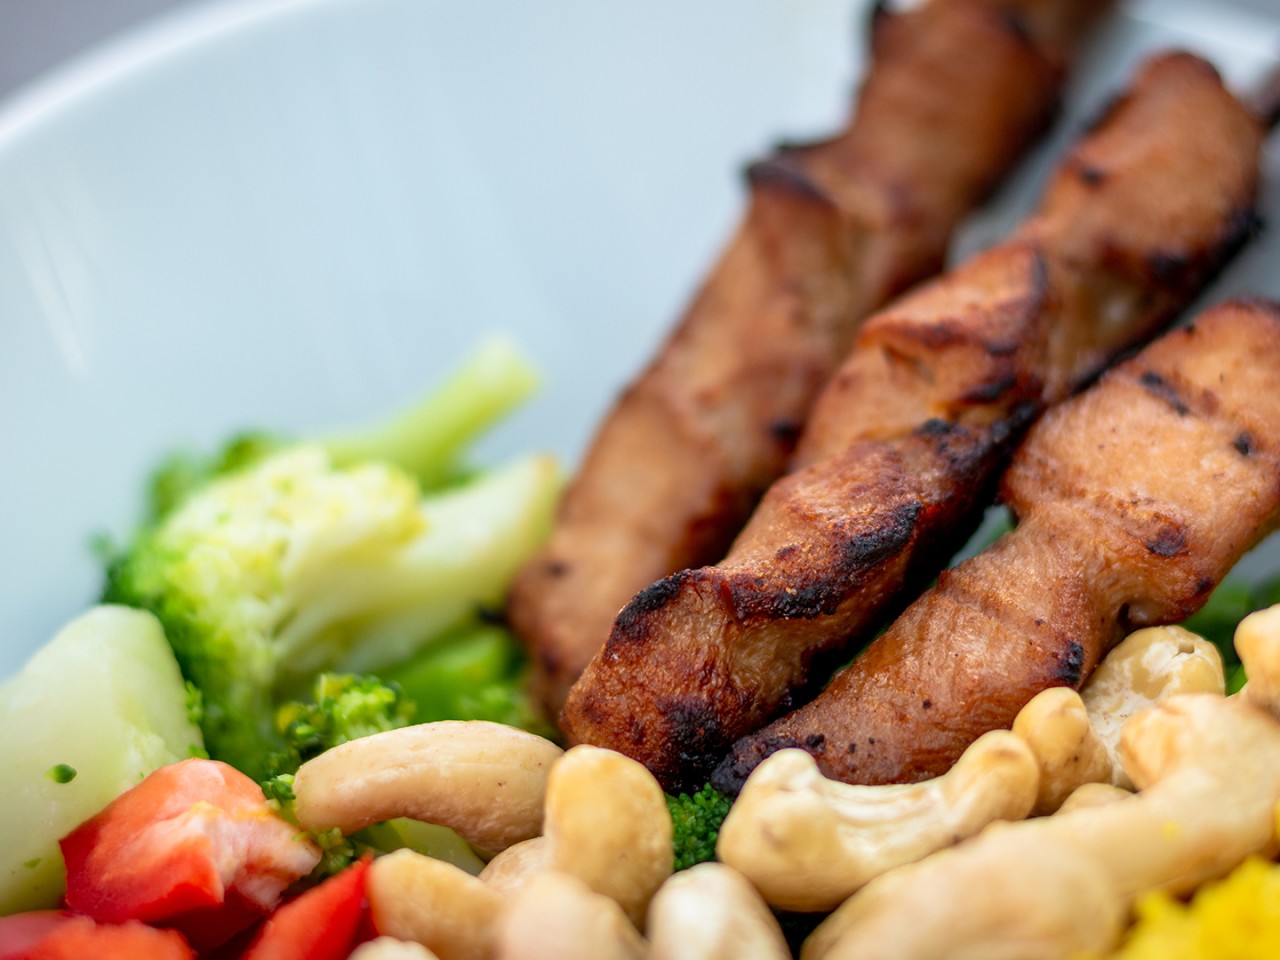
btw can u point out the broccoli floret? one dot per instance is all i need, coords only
(695, 821)
(478, 672)
(343, 706)
(297, 560)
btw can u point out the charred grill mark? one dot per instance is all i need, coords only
(935, 427)
(731, 773)
(1170, 541)
(1012, 21)
(856, 556)
(1159, 387)
(785, 174)
(992, 391)
(1169, 268)
(1071, 665)
(630, 625)
(1090, 175)
(786, 432)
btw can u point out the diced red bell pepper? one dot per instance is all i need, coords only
(61, 935)
(194, 846)
(322, 924)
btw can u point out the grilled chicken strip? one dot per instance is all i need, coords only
(1134, 500)
(905, 444)
(833, 231)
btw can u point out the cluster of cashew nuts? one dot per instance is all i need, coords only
(580, 848)
(580, 841)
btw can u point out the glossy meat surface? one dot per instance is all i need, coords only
(1133, 500)
(833, 230)
(906, 442)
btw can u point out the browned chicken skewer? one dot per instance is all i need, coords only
(1133, 500)
(906, 443)
(956, 90)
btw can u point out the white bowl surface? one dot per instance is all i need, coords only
(300, 213)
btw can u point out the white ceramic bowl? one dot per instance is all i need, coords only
(298, 213)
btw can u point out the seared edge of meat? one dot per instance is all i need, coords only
(906, 442)
(832, 231)
(1134, 500)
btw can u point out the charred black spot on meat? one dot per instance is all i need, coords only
(781, 554)
(927, 704)
(556, 568)
(785, 431)
(1159, 387)
(1243, 444)
(1012, 21)
(1170, 541)
(747, 754)
(1090, 175)
(1071, 665)
(1168, 267)
(990, 392)
(935, 427)
(782, 173)
(815, 740)
(630, 624)
(856, 555)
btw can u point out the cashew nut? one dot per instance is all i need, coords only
(515, 866)
(434, 903)
(607, 824)
(1055, 724)
(807, 842)
(389, 948)
(711, 912)
(1196, 817)
(1146, 667)
(1257, 640)
(1075, 737)
(484, 780)
(1093, 795)
(555, 916)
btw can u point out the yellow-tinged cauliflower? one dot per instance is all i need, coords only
(311, 557)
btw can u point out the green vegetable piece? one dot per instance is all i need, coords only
(105, 699)
(61, 773)
(478, 672)
(281, 562)
(429, 839)
(696, 821)
(428, 439)
(343, 707)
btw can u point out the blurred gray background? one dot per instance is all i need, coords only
(37, 34)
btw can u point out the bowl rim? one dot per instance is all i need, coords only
(95, 71)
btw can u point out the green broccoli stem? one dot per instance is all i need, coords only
(427, 439)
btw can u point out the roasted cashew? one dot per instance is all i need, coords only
(555, 916)
(607, 824)
(1146, 667)
(1257, 640)
(1075, 737)
(515, 866)
(434, 903)
(1093, 795)
(389, 948)
(807, 842)
(484, 780)
(1198, 815)
(711, 912)
(1068, 751)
